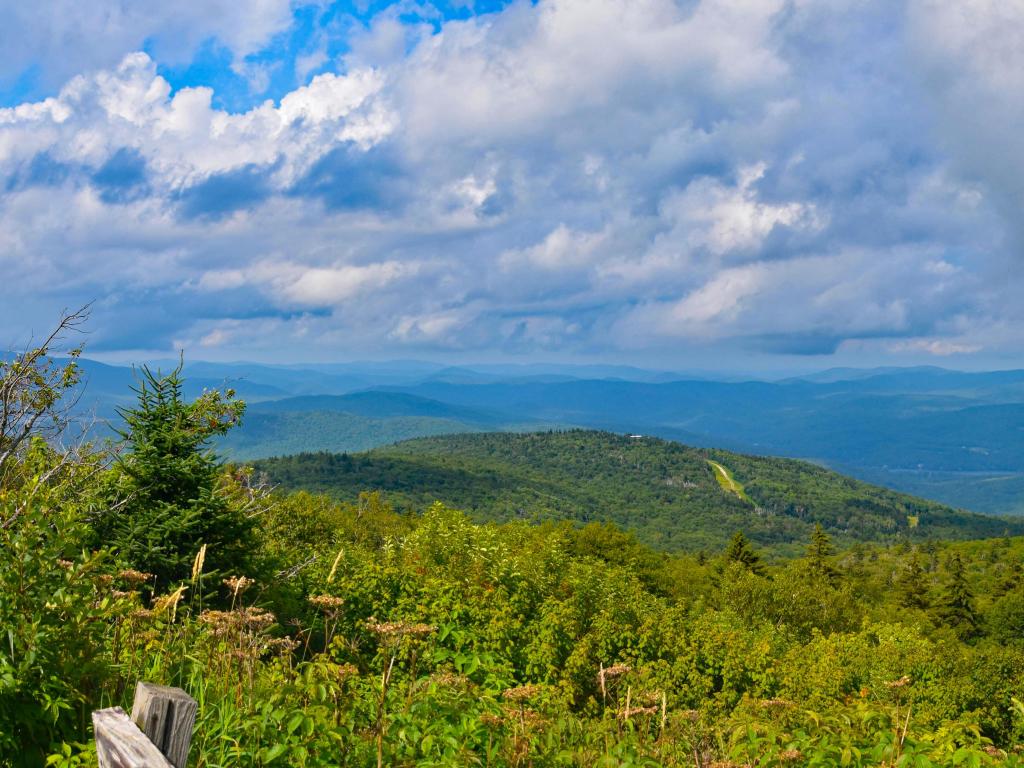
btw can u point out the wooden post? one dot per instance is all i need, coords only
(120, 743)
(166, 716)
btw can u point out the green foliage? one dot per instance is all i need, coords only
(371, 637)
(741, 553)
(54, 604)
(166, 500)
(912, 585)
(666, 493)
(955, 605)
(818, 553)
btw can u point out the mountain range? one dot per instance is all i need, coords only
(957, 437)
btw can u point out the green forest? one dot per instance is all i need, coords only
(602, 600)
(665, 492)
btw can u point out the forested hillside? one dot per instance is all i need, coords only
(666, 492)
(945, 435)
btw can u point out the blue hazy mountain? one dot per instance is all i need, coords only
(957, 437)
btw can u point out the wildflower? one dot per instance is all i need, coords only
(777, 704)
(326, 603)
(612, 672)
(521, 692)
(67, 565)
(133, 576)
(238, 584)
(282, 645)
(491, 721)
(449, 680)
(389, 629)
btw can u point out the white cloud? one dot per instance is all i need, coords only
(578, 175)
(62, 38)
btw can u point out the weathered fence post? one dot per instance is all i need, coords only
(166, 716)
(120, 743)
(157, 735)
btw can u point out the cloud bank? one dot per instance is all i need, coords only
(638, 178)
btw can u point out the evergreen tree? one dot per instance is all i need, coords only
(955, 606)
(168, 500)
(818, 553)
(741, 552)
(912, 584)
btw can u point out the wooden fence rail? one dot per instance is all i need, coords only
(157, 735)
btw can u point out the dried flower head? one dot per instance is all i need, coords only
(791, 756)
(777, 704)
(607, 674)
(133, 576)
(238, 584)
(283, 645)
(903, 682)
(492, 721)
(449, 680)
(249, 619)
(67, 565)
(254, 619)
(521, 692)
(326, 603)
(398, 629)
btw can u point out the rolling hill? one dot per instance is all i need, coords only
(957, 437)
(667, 493)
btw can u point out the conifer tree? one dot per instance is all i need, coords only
(818, 553)
(912, 584)
(168, 501)
(955, 606)
(741, 552)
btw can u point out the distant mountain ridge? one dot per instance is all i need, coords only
(955, 436)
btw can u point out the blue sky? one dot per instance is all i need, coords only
(745, 184)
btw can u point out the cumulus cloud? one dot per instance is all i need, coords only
(63, 38)
(573, 176)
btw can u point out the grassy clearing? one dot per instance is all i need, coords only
(729, 483)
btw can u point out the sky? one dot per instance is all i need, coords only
(676, 183)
